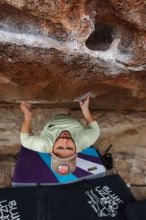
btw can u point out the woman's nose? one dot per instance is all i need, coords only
(64, 142)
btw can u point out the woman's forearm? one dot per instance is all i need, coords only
(26, 126)
(84, 105)
(88, 116)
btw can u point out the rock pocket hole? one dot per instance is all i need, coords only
(101, 38)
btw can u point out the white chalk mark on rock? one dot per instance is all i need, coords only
(70, 47)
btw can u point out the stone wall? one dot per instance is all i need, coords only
(124, 130)
(50, 47)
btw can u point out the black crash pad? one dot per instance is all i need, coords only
(103, 198)
(136, 211)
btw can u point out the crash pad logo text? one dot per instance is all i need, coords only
(103, 201)
(8, 210)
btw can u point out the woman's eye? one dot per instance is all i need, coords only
(60, 148)
(69, 148)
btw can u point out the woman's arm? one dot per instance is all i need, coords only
(26, 126)
(84, 105)
(88, 136)
(32, 142)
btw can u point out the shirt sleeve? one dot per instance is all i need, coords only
(35, 142)
(88, 136)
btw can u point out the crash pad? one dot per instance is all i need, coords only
(33, 168)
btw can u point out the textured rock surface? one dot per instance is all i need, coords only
(7, 166)
(53, 51)
(48, 48)
(131, 11)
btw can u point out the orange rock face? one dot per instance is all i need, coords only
(52, 52)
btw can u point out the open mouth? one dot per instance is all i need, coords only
(65, 134)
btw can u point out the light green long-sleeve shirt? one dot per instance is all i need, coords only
(83, 137)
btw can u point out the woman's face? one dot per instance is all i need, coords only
(64, 145)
